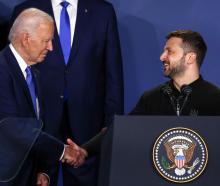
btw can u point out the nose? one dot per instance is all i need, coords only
(163, 56)
(50, 46)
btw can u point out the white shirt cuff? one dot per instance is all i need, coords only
(61, 157)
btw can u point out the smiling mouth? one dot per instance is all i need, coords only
(165, 65)
(44, 55)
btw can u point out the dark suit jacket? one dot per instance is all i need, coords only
(93, 77)
(15, 101)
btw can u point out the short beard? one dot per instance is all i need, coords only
(178, 70)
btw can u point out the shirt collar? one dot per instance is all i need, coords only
(194, 84)
(57, 2)
(22, 64)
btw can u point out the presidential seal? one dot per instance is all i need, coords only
(180, 155)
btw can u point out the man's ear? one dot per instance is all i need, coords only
(25, 39)
(190, 58)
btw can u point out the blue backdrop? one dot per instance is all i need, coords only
(6, 8)
(143, 25)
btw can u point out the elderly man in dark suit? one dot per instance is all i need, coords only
(31, 39)
(82, 78)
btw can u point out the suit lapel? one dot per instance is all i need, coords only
(83, 12)
(17, 73)
(46, 6)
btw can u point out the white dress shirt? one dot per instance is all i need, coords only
(72, 11)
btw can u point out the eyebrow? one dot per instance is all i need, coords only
(167, 48)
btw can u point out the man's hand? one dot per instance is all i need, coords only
(74, 155)
(80, 159)
(42, 180)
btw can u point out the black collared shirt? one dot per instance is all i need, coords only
(204, 100)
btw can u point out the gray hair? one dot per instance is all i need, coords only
(28, 21)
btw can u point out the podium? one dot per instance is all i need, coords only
(127, 155)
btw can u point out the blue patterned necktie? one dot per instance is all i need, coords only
(31, 88)
(65, 34)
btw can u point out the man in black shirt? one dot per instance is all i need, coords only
(187, 93)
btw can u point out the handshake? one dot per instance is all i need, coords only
(73, 154)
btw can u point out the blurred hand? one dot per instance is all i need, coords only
(42, 180)
(104, 129)
(80, 159)
(74, 155)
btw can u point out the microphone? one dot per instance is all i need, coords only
(186, 90)
(167, 90)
